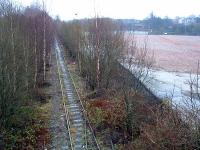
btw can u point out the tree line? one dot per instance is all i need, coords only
(156, 25)
(26, 38)
(179, 26)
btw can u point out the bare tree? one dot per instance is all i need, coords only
(44, 41)
(13, 48)
(139, 60)
(191, 108)
(35, 51)
(166, 130)
(106, 43)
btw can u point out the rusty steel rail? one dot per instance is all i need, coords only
(83, 110)
(64, 103)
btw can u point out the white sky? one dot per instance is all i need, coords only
(137, 9)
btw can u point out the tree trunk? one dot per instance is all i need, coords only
(36, 61)
(26, 64)
(14, 57)
(44, 43)
(97, 56)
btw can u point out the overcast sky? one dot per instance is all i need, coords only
(138, 9)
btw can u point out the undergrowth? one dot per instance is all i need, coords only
(27, 128)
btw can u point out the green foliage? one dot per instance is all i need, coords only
(24, 125)
(19, 132)
(20, 139)
(21, 117)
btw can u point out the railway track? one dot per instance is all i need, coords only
(81, 135)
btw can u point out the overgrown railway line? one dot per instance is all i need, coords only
(81, 135)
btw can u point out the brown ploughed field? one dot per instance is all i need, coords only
(173, 52)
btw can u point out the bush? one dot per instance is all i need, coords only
(22, 117)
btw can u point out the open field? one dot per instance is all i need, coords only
(172, 52)
(175, 56)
